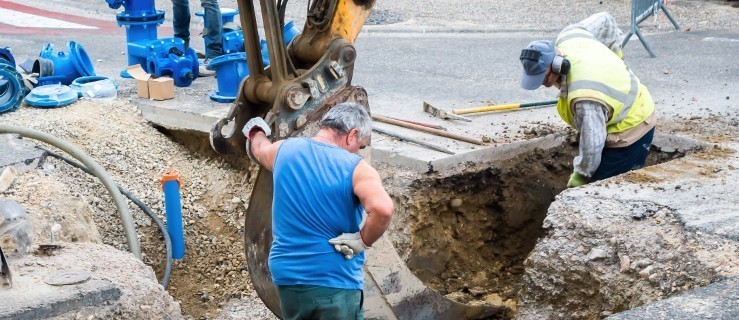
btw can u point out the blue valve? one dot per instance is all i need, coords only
(173, 212)
(161, 57)
(69, 65)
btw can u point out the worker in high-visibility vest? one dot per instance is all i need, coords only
(599, 96)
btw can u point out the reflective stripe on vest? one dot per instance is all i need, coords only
(586, 55)
(626, 99)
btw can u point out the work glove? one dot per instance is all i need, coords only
(577, 180)
(251, 127)
(349, 244)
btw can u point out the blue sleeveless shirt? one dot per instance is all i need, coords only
(313, 202)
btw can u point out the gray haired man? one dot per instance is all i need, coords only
(321, 188)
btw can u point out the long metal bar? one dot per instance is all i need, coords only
(416, 127)
(275, 42)
(412, 140)
(251, 37)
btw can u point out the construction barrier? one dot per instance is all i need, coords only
(640, 11)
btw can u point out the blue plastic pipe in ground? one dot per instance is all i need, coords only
(173, 212)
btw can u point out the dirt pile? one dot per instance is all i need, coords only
(214, 196)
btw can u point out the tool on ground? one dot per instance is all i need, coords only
(173, 211)
(443, 114)
(412, 140)
(503, 107)
(428, 125)
(427, 130)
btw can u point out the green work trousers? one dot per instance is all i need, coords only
(303, 302)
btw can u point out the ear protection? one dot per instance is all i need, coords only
(560, 65)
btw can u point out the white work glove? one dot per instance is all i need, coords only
(251, 127)
(349, 244)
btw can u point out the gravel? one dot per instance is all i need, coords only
(214, 196)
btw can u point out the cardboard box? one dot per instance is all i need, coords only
(151, 87)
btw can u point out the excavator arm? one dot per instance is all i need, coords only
(304, 80)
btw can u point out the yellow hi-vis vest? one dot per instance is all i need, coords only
(597, 73)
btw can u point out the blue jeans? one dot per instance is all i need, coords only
(212, 33)
(615, 161)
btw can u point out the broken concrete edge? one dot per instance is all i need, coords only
(458, 163)
(485, 157)
(19, 153)
(714, 301)
(89, 294)
(175, 119)
(599, 253)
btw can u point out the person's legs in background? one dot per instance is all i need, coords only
(213, 30)
(181, 20)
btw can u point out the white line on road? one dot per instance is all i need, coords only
(22, 19)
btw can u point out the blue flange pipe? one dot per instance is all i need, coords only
(71, 65)
(227, 15)
(5, 54)
(231, 69)
(173, 212)
(161, 57)
(12, 89)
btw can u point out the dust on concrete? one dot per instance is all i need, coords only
(142, 297)
(214, 196)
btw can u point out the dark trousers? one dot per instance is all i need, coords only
(615, 161)
(302, 302)
(212, 33)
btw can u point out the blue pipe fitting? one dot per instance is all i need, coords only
(233, 41)
(12, 89)
(7, 56)
(161, 57)
(173, 212)
(168, 57)
(289, 32)
(227, 15)
(69, 66)
(231, 69)
(51, 96)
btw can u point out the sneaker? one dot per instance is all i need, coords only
(203, 71)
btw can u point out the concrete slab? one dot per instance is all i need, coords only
(19, 153)
(718, 301)
(31, 298)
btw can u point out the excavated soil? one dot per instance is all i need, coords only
(214, 197)
(467, 235)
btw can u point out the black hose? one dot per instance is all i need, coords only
(140, 204)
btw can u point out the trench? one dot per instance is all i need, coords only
(467, 235)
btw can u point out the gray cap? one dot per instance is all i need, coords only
(536, 58)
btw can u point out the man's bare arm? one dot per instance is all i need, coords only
(375, 200)
(264, 150)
